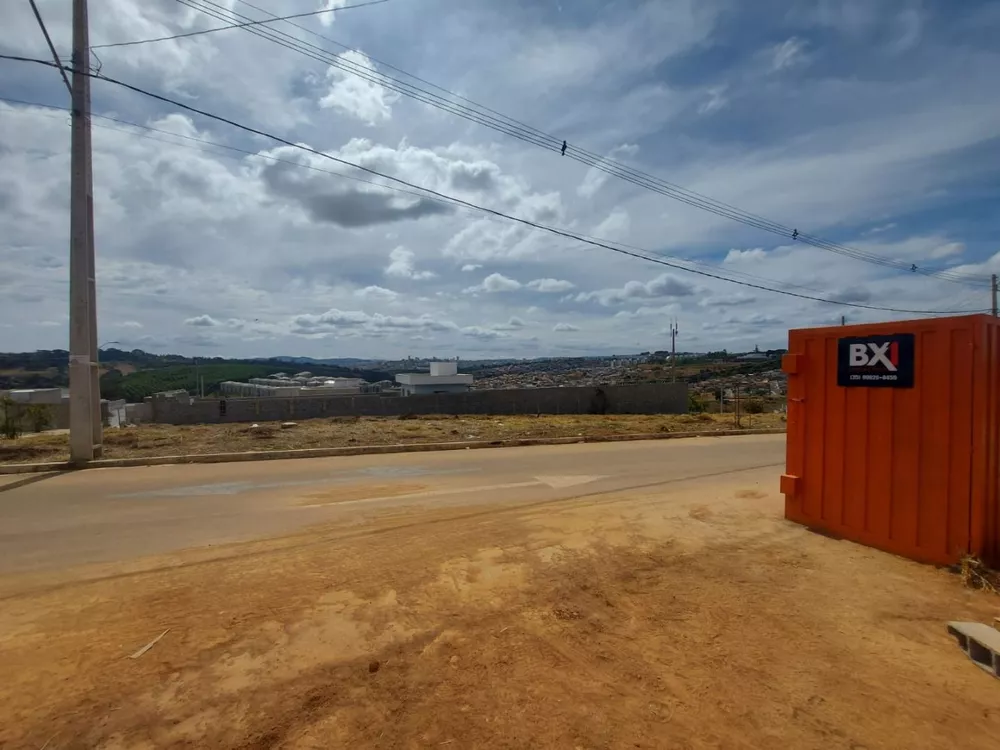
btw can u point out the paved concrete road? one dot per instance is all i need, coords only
(110, 515)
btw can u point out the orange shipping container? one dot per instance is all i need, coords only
(894, 435)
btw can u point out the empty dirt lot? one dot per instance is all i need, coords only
(171, 440)
(689, 616)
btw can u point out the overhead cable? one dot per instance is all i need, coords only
(509, 126)
(486, 210)
(52, 48)
(234, 150)
(234, 25)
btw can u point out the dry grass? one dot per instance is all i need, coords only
(168, 440)
(976, 575)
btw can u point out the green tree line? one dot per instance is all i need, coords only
(134, 387)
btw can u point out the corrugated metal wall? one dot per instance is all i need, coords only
(913, 471)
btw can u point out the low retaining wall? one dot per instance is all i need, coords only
(653, 398)
(49, 416)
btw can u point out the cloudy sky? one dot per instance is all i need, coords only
(871, 124)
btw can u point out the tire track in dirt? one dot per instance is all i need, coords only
(444, 516)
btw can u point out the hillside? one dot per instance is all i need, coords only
(133, 375)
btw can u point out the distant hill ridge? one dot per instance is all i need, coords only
(135, 374)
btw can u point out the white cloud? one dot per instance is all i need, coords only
(789, 54)
(366, 100)
(616, 226)
(932, 247)
(207, 321)
(882, 228)
(664, 285)
(715, 100)
(735, 299)
(376, 293)
(893, 124)
(595, 178)
(565, 328)
(355, 321)
(514, 324)
(743, 256)
(494, 283)
(327, 19)
(401, 264)
(483, 334)
(646, 311)
(550, 286)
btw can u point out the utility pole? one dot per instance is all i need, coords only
(673, 351)
(84, 413)
(97, 418)
(993, 286)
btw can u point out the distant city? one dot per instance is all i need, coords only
(134, 376)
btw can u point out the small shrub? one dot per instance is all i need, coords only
(10, 421)
(39, 416)
(753, 407)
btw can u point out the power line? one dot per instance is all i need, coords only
(216, 144)
(235, 25)
(494, 212)
(513, 121)
(512, 127)
(504, 124)
(344, 175)
(52, 47)
(312, 167)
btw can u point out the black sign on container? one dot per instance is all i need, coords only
(876, 361)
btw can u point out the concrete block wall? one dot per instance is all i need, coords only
(138, 413)
(652, 398)
(58, 415)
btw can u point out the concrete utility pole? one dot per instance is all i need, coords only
(673, 351)
(97, 421)
(85, 429)
(993, 286)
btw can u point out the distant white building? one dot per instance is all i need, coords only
(755, 355)
(444, 377)
(38, 395)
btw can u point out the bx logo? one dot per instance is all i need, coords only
(873, 355)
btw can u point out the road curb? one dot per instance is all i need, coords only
(361, 450)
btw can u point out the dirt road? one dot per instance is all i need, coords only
(684, 615)
(108, 515)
